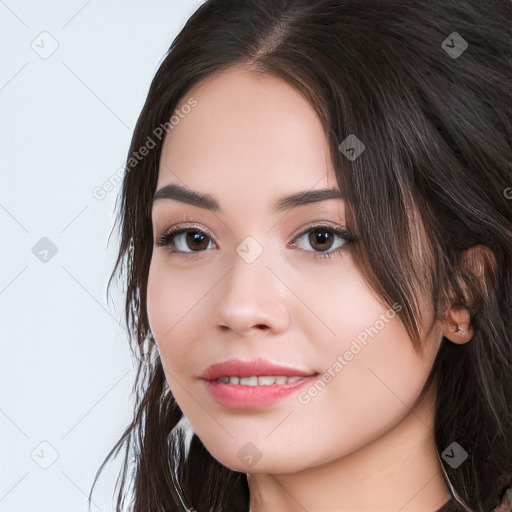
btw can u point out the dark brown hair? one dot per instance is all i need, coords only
(437, 132)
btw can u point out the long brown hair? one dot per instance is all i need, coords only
(437, 131)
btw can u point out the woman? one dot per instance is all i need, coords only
(316, 232)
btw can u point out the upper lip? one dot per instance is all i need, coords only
(239, 368)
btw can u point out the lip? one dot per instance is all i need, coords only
(238, 396)
(260, 366)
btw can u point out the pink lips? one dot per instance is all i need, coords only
(239, 368)
(250, 397)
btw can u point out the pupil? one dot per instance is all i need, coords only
(196, 236)
(320, 236)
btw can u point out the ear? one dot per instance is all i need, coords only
(457, 325)
(475, 266)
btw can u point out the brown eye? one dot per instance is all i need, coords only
(196, 240)
(321, 239)
(184, 240)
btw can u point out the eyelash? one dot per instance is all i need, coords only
(166, 240)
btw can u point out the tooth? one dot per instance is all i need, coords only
(249, 381)
(262, 380)
(266, 380)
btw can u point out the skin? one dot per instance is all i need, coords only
(359, 445)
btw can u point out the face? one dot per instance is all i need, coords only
(246, 281)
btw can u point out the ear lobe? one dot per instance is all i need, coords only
(457, 325)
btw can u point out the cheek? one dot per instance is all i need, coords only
(373, 388)
(161, 300)
(387, 370)
(171, 298)
(377, 355)
(341, 301)
(370, 365)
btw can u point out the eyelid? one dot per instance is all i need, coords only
(183, 224)
(338, 231)
(179, 228)
(319, 224)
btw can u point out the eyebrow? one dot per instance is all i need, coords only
(206, 201)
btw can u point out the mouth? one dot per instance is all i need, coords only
(248, 393)
(253, 384)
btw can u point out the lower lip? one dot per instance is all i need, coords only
(239, 396)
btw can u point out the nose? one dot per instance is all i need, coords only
(251, 299)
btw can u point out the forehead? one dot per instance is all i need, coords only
(245, 132)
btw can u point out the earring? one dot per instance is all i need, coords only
(177, 486)
(457, 325)
(179, 492)
(461, 334)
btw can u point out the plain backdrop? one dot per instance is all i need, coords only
(74, 76)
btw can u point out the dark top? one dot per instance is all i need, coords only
(454, 506)
(451, 506)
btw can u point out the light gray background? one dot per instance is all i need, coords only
(66, 122)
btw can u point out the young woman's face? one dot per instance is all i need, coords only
(246, 283)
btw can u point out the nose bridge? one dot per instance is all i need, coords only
(250, 278)
(251, 295)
